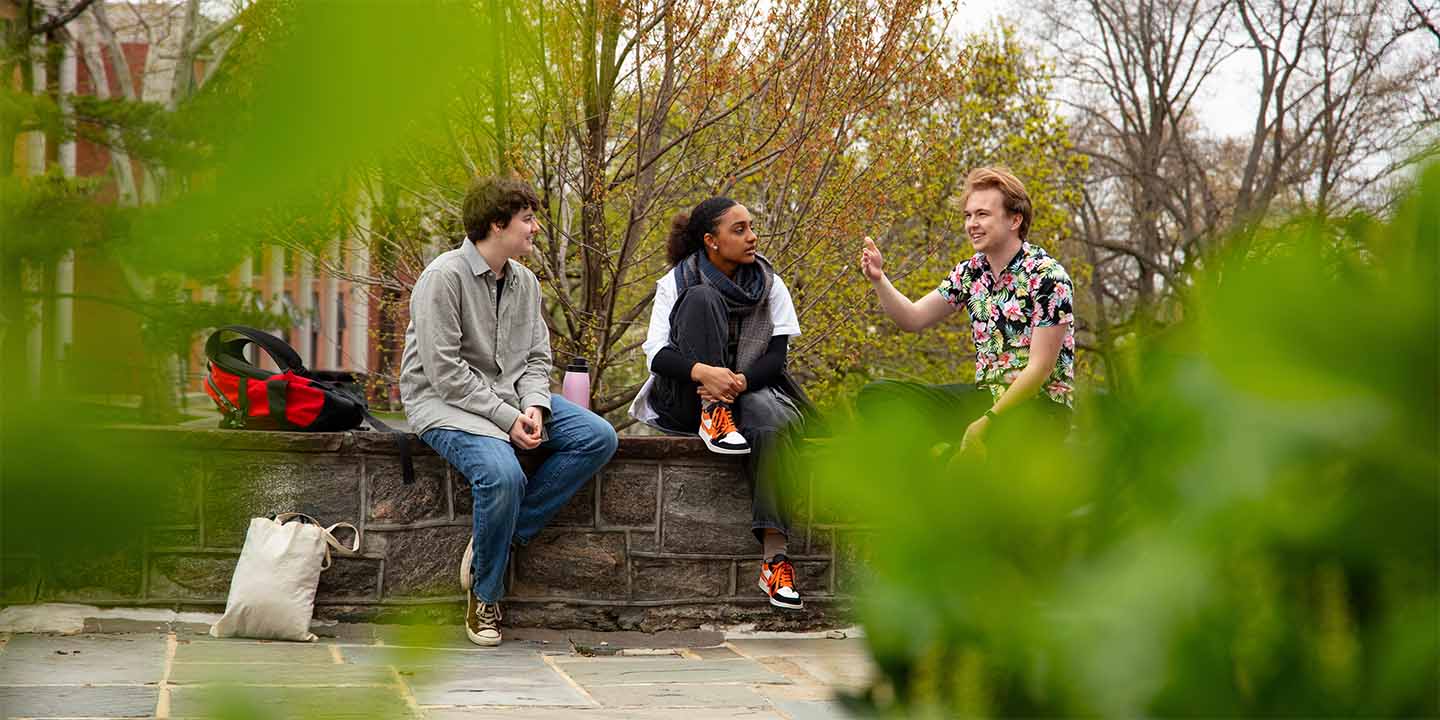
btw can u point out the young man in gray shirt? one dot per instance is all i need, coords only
(475, 380)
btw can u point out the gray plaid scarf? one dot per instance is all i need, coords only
(747, 297)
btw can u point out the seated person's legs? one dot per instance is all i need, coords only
(913, 417)
(769, 420)
(497, 487)
(582, 442)
(700, 333)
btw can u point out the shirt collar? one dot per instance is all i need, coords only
(1025, 249)
(478, 265)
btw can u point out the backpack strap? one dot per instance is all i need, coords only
(230, 355)
(402, 444)
(275, 389)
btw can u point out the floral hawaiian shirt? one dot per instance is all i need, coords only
(1032, 291)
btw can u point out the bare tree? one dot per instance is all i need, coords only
(1341, 109)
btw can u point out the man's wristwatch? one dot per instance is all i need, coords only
(990, 414)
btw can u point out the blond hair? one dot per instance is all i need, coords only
(1017, 201)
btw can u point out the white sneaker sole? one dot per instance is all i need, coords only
(722, 450)
(467, 567)
(481, 640)
(783, 606)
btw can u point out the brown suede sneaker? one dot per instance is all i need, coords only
(482, 621)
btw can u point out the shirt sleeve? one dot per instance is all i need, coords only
(658, 335)
(955, 288)
(1053, 303)
(782, 310)
(767, 368)
(435, 310)
(533, 387)
(670, 363)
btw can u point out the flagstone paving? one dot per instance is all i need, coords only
(175, 671)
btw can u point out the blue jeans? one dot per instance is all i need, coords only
(507, 505)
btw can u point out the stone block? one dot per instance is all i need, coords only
(180, 505)
(643, 541)
(325, 487)
(580, 510)
(822, 541)
(628, 495)
(277, 674)
(678, 695)
(667, 669)
(852, 553)
(19, 580)
(174, 537)
(457, 687)
(332, 703)
(113, 574)
(239, 651)
(371, 443)
(210, 440)
(813, 577)
(40, 659)
(72, 701)
(575, 512)
(572, 564)
(667, 447)
(422, 562)
(656, 579)
(392, 501)
(349, 578)
(706, 510)
(195, 578)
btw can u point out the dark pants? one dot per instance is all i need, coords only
(767, 418)
(944, 411)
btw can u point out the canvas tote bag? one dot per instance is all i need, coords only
(272, 594)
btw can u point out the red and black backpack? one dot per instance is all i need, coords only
(294, 399)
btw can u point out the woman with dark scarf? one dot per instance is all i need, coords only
(720, 328)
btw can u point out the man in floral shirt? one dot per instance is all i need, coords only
(1021, 317)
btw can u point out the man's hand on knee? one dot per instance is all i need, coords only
(525, 432)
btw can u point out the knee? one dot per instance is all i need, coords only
(877, 395)
(761, 413)
(701, 299)
(505, 482)
(597, 438)
(603, 439)
(703, 294)
(878, 389)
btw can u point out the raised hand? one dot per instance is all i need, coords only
(872, 265)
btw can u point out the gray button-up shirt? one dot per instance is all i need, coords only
(465, 366)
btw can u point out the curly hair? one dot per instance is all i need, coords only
(493, 201)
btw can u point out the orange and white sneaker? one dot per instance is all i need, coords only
(717, 429)
(777, 579)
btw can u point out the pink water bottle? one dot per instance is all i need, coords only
(576, 385)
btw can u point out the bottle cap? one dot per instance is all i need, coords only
(578, 364)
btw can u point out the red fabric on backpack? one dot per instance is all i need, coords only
(303, 401)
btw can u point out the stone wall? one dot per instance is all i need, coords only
(660, 539)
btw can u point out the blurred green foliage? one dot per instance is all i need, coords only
(1251, 530)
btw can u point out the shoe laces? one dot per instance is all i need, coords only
(487, 615)
(782, 574)
(722, 422)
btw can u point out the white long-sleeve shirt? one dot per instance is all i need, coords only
(782, 316)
